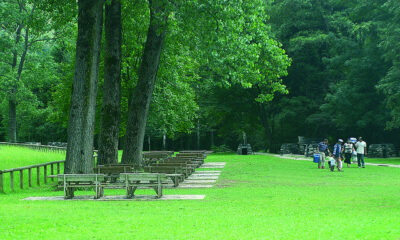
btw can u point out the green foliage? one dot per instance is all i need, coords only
(221, 149)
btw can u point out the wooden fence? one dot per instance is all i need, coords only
(29, 169)
(37, 167)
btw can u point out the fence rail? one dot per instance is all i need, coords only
(34, 146)
(29, 168)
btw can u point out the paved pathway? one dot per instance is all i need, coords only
(302, 158)
(120, 198)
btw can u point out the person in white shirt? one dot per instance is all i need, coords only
(361, 148)
(348, 150)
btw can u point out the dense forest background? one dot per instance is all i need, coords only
(314, 68)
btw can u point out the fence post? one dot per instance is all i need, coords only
(1, 182)
(58, 168)
(21, 179)
(12, 180)
(30, 176)
(45, 174)
(38, 176)
(52, 171)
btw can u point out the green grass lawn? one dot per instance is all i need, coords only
(256, 197)
(395, 161)
(13, 156)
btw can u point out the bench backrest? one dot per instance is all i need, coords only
(80, 177)
(163, 169)
(180, 160)
(106, 169)
(142, 176)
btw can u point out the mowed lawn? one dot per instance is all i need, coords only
(256, 197)
(20, 156)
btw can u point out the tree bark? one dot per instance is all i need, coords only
(12, 102)
(84, 90)
(12, 124)
(164, 142)
(198, 135)
(267, 126)
(140, 103)
(111, 107)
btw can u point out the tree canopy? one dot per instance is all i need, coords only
(272, 69)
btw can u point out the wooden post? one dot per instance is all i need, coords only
(45, 174)
(21, 179)
(38, 176)
(52, 171)
(1, 182)
(12, 180)
(30, 176)
(58, 168)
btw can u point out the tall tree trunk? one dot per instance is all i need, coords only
(12, 124)
(12, 102)
(111, 107)
(140, 103)
(198, 135)
(84, 92)
(212, 138)
(267, 126)
(164, 142)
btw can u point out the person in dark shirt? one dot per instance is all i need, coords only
(337, 152)
(322, 149)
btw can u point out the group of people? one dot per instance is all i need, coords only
(342, 151)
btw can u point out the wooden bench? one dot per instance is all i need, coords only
(72, 181)
(129, 181)
(202, 153)
(175, 173)
(113, 169)
(132, 181)
(186, 169)
(154, 157)
(191, 161)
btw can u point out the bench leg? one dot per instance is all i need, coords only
(69, 193)
(130, 192)
(176, 181)
(159, 191)
(133, 191)
(159, 187)
(99, 192)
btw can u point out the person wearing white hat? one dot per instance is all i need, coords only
(337, 151)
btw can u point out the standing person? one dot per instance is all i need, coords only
(354, 153)
(337, 151)
(348, 150)
(361, 148)
(322, 149)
